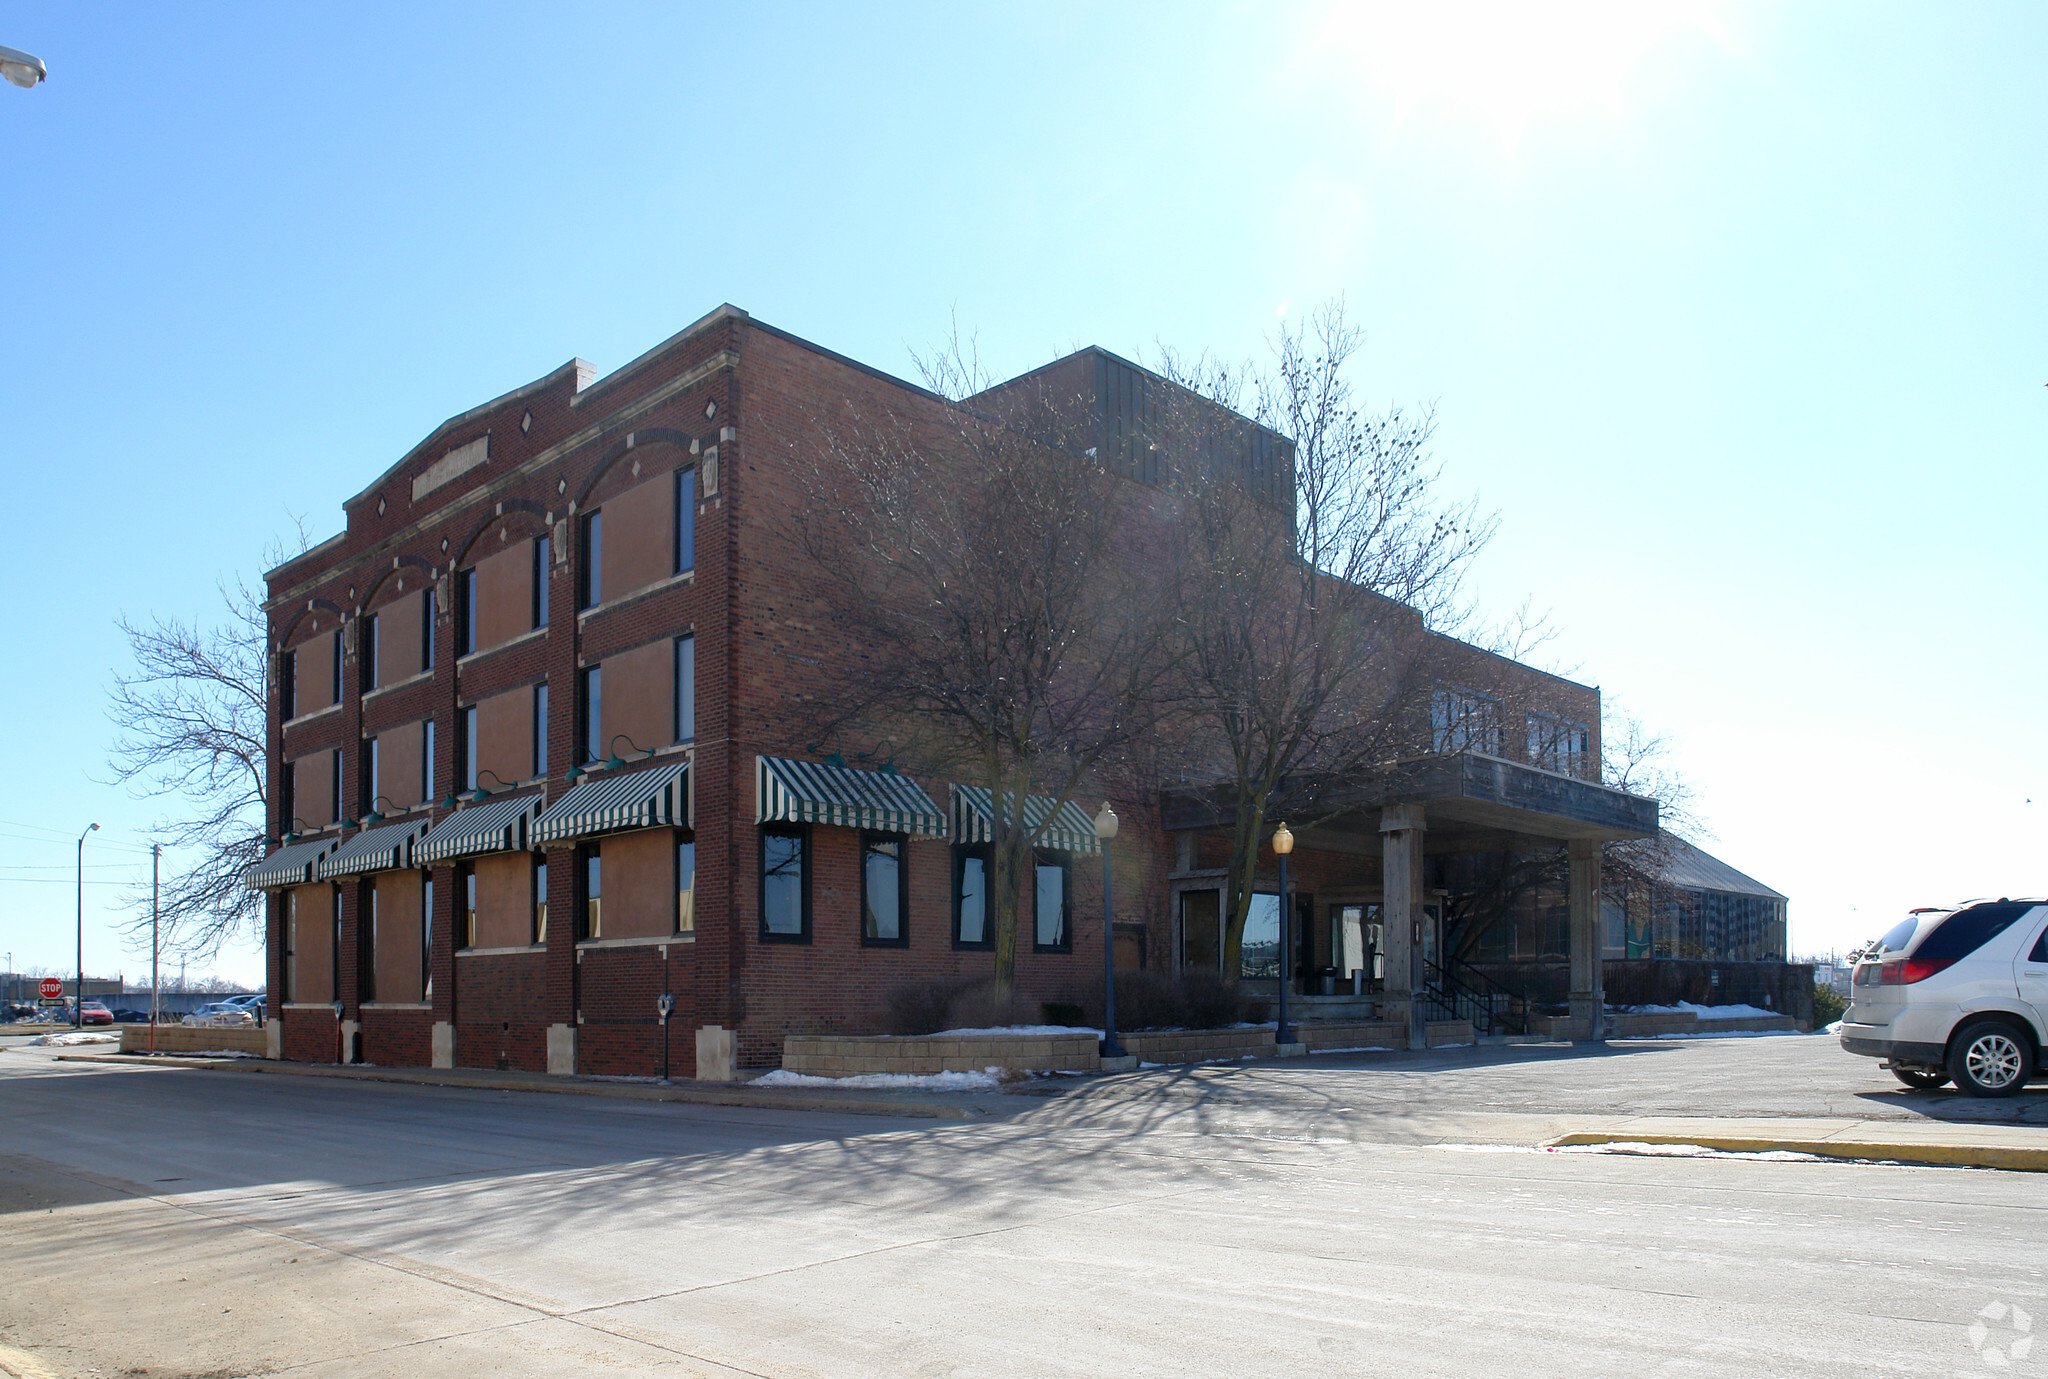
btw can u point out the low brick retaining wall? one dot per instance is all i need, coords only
(196, 1039)
(829, 1055)
(1647, 1025)
(1365, 1034)
(1197, 1045)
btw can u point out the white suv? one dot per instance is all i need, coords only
(1956, 995)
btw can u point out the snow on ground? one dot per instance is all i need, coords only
(1015, 1032)
(1835, 1028)
(1722, 1034)
(892, 1082)
(1704, 1012)
(75, 1037)
(1638, 1147)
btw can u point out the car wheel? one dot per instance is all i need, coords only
(1920, 1081)
(1990, 1059)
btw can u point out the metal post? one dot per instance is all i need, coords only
(156, 852)
(1110, 1047)
(1281, 1033)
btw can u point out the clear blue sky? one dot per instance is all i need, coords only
(1735, 313)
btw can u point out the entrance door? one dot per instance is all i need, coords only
(1357, 944)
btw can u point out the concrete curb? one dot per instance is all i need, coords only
(2013, 1158)
(700, 1094)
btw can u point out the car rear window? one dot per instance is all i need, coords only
(1965, 931)
(1899, 935)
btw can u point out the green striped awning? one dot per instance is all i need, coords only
(811, 792)
(374, 849)
(288, 866)
(1071, 830)
(493, 826)
(642, 799)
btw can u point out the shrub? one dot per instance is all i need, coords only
(921, 1007)
(1146, 1000)
(1063, 1013)
(1828, 1007)
(1210, 1002)
(981, 1006)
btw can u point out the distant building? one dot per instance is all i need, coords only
(1704, 908)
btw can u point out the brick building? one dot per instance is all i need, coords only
(533, 767)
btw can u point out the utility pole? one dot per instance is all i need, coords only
(156, 852)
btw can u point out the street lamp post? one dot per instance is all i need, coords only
(1105, 831)
(78, 992)
(1283, 844)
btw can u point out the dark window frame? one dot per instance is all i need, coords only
(686, 519)
(869, 839)
(335, 763)
(589, 867)
(537, 916)
(426, 935)
(1044, 857)
(288, 686)
(686, 838)
(589, 714)
(540, 729)
(465, 746)
(334, 673)
(368, 639)
(685, 688)
(961, 853)
(802, 834)
(465, 900)
(427, 629)
(287, 798)
(465, 612)
(427, 746)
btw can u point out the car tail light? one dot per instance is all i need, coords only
(1906, 971)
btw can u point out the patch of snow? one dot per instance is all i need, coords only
(73, 1038)
(1705, 1012)
(1488, 1148)
(1721, 1034)
(1690, 1151)
(1361, 1048)
(894, 1082)
(217, 1053)
(1014, 1031)
(1835, 1028)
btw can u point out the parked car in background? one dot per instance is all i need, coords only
(253, 1003)
(129, 1016)
(219, 1013)
(95, 1013)
(1956, 996)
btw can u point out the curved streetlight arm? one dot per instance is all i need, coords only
(23, 69)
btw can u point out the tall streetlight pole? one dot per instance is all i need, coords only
(1283, 844)
(78, 993)
(156, 852)
(1105, 832)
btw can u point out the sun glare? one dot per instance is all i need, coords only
(1501, 64)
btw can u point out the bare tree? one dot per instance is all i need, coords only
(1310, 591)
(190, 723)
(991, 571)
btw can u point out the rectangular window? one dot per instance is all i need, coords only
(1052, 928)
(426, 936)
(376, 776)
(540, 900)
(970, 898)
(590, 560)
(465, 743)
(592, 726)
(686, 689)
(427, 760)
(287, 799)
(334, 776)
(686, 519)
(540, 582)
(1259, 952)
(1557, 745)
(367, 890)
(592, 887)
(291, 947)
(288, 686)
(465, 893)
(686, 882)
(785, 885)
(465, 611)
(1464, 721)
(334, 667)
(540, 729)
(427, 630)
(370, 649)
(334, 939)
(885, 889)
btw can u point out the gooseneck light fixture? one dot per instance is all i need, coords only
(23, 69)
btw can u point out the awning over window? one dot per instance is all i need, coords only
(493, 826)
(643, 799)
(374, 849)
(1071, 829)
(810, 792)
(288, 866)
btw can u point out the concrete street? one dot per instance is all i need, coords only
(1275, 1219)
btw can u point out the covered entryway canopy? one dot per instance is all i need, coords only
(1457, 802)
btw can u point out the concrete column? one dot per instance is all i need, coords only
(717, 1059)
(1401, 835)
(444, 1044)
(1588, 994)
(561, 1043)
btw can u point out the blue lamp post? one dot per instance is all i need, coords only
(1105, 831)
(1283, 844)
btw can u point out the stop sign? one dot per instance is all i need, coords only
(49, 988)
